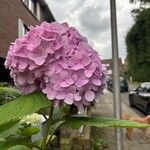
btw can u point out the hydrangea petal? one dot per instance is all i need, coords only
(78, 67)
(69, 80)
(60, 96)
(21, 80)
(39, 61)
(28, 89)
(84, 81)
(97, 82)
(22, 65)
(51, 94)
(77, 97)
(88, 73)
(86, 60)
(69, 99)
(89, 95)
(31, 46)
(64, 84)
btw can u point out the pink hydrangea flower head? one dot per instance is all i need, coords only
(57, 60)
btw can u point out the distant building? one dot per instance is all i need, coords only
(15, 17)
(108, 64)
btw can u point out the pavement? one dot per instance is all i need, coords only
(105, 108)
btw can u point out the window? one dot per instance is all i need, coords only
(38, 10)
(26, 2)
(25, 29)
(22, 28)
(33, 6)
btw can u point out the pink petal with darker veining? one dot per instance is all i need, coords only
(60, 96)
(69, 80)
(69, 99)
(89, 96)
(88, 73)
(64, 84)
(51, 94)
(78, 67)
(77, 97)
(97, 82)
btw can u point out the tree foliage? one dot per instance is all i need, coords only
(138, 47)
(143, 2)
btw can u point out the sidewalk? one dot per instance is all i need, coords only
(105, 108)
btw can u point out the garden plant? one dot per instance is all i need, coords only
(55, 71)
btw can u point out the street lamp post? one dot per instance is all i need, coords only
(116, 81)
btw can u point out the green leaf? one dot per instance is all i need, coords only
(102, 122)
(10, 91)
(55, 126)
(11, 141)
(7, 126)
(19, 147)
(60, 113)
(23, 106)
(29, 131)
(2, 139)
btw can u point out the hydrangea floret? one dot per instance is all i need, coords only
(57, 60)
(31, 120)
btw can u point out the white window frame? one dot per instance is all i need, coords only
(22, 28)
(34, 7)
(38, 11)
(31, 6)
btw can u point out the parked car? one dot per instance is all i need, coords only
(140, 98)
(123, 85)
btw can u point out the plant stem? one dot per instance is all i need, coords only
(49, 122)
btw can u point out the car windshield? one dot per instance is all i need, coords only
(145, 87)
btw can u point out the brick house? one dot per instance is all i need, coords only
(15, 17)
(108, 64)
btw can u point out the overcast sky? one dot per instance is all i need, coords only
(92, 19)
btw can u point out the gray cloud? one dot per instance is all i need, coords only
(92, 19)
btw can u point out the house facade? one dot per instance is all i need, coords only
(109, 67)
(15, 17)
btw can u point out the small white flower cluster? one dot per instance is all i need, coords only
(31, 120)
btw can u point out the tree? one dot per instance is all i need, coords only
(138, 47)
(141, 1)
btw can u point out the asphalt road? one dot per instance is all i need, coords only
(125, 99)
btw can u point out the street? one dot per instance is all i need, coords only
(105, 108)
(125, 99)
